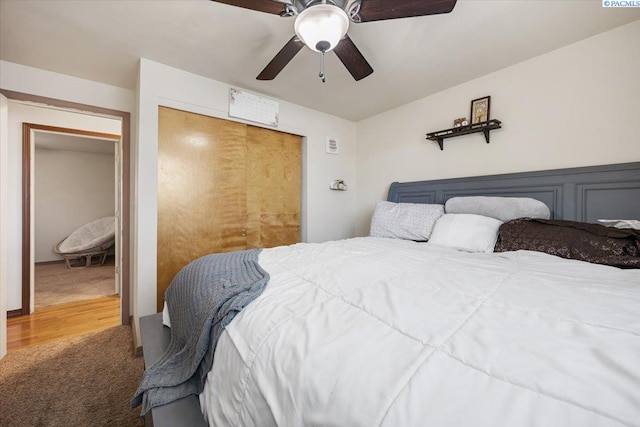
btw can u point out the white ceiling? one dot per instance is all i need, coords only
(62, 141)
(102, 40)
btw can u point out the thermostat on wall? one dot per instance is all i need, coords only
(332, 145)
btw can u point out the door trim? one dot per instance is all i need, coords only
(126, 193)
(27, 155)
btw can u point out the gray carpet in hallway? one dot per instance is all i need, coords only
(56, 285)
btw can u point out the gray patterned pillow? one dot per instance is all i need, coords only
(502, 208)
(409, 221)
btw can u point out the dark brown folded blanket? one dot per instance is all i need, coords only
(593, 243)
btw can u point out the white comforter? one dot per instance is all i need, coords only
(383, 332)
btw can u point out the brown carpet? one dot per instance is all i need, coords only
(56, 285)
(83, 381)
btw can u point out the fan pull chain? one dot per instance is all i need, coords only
(321, 75)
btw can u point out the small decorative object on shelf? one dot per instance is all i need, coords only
(460, 122)
(483, 127)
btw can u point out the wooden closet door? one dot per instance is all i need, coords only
(202, 197)
(274, 184)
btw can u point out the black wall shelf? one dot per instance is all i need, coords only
(483, 127)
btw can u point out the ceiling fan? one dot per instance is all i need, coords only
(322, 26)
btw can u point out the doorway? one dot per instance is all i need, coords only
(30, 131)
(75, 196)
(125, 214)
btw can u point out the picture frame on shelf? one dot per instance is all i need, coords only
(480, 109)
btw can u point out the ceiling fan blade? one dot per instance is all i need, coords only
(351, 57)
(267, 6)
(281, 59)
(378, 10)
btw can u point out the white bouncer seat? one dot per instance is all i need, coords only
(91, 240)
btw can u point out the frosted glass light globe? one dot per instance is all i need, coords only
(321, 23)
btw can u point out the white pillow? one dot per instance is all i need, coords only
(621, 223)
(502, 208)
(466, 232)
(409, 221)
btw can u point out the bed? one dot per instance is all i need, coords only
(379, 331)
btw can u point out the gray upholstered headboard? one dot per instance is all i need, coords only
(579, 194)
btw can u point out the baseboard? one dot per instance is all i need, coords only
(57, 261)
(14, 313)
(61, 261)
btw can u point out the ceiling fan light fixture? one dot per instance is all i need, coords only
(321, 27)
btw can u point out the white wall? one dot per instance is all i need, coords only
(23, 113)
(71, 188)
(326, 214)
(20, 78)
(4, 223)
(576, 106)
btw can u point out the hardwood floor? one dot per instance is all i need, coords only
(63, 321)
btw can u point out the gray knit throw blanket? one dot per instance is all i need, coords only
(202, 299)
